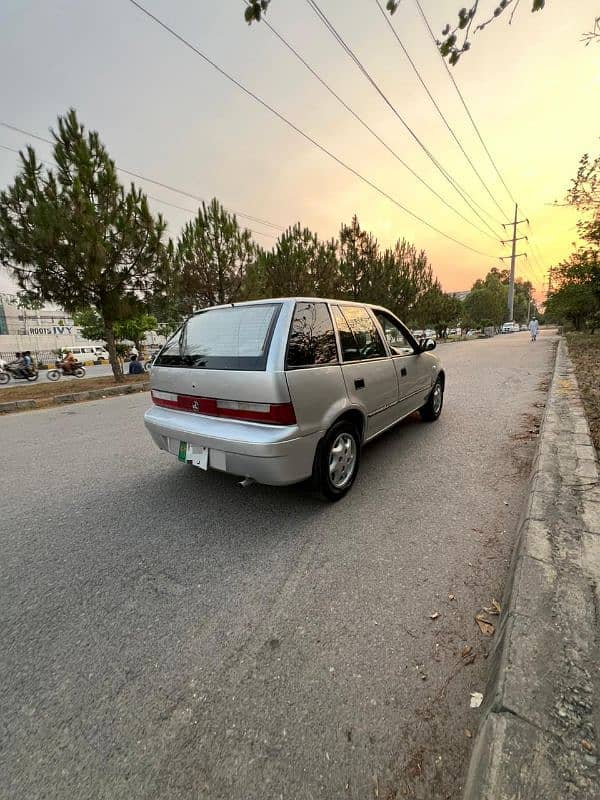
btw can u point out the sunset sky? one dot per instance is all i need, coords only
(532, 87)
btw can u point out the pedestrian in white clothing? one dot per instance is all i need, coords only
(533, 329)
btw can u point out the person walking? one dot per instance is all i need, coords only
(533, 329)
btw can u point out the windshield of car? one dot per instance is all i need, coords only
(235, 338)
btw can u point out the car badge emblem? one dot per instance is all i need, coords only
(195, 406)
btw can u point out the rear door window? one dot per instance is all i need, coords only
(236, 338)
(359, 338)
(312, 339)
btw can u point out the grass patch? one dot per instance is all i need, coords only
(44, 388)
(584, 350)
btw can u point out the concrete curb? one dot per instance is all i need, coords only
(15, 406)
(540, 730)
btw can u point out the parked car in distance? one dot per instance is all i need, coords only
(510, 327)
(430, 334)
(283, 390)
(94, 353)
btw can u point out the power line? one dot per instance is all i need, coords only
(464, 102)
(541, 271)
(468, 199)
(193, 211)
(537, 259)
(437, 108)
(302, 133)
(150, 196)
(157, 199)
(348, 108)
(149, 180)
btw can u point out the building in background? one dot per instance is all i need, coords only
(45, 331)
(42, 331)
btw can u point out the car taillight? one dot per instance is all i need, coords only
(268, 413)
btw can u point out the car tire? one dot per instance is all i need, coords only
(337, 461)
(435, 402)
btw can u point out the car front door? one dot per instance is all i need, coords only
(412, 368)
(368, 370)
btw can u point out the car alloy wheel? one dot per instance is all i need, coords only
(342, 460)
(436, 400)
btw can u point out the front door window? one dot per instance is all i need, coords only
(398, 343)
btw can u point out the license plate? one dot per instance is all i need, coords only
(198, 456)
(193, 454)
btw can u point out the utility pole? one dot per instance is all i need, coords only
(513, 258)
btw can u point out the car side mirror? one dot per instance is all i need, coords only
(427, 344)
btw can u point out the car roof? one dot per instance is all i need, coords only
(292, 300)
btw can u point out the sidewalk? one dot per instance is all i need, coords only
(540, 728)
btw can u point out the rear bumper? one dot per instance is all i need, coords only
(272, 454)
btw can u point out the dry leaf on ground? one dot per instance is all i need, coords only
(476, 699)
(486, 628)
(435, 615)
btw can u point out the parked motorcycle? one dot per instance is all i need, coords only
(76, 371)
(15, 373)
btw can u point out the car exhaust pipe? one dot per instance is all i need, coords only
(247, 482)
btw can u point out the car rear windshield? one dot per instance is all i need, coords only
(236, 338)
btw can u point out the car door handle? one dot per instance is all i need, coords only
(403, 372)
(359, 383)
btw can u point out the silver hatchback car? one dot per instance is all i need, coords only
(282, 390)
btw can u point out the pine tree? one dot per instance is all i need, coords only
(73, 235)
(298, 265)
(212, 257)
(359, 251)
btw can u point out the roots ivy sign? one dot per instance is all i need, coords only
(52, 330)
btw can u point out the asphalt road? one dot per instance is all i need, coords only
(168, 634)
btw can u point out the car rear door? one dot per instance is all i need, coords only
(367, 368)
(313, 370)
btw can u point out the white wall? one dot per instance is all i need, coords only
(9, 344)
